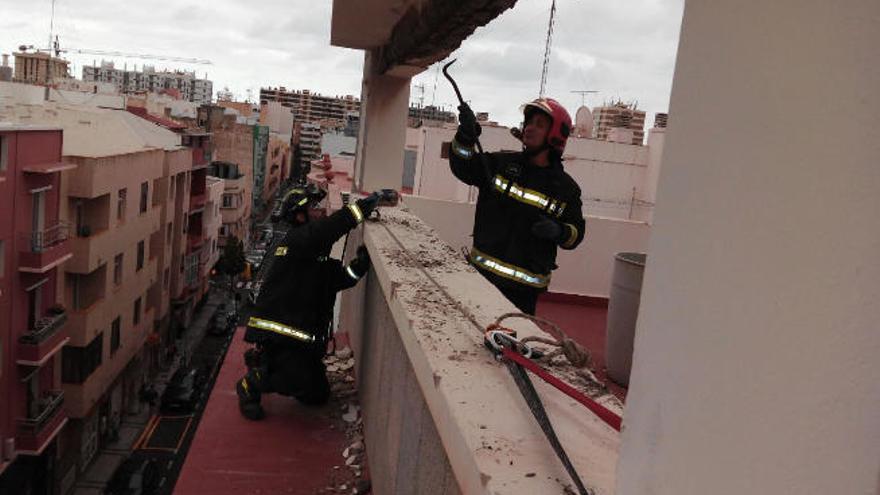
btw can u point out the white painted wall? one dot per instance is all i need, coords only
(585, 271)
(757, 351)
(611, 175)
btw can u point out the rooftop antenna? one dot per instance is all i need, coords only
(547, 48)
(584, 93)
(52, 28)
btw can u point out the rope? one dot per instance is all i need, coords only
(574, 352)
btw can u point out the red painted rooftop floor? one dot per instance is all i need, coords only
(291, 451)
(294, 448)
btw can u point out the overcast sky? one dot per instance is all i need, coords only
(622, 49)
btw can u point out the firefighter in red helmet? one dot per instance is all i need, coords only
(527, 205)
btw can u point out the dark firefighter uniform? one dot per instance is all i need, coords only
(291, 322)
(514, 196)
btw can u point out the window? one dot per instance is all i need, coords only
(145, 191)
(137, 312)
(171, 189)
(444, 149)
(115, 328)
(35, 304)
(78, 363)
(4, 151)
(117, 270)
(120, 205)
(227, 201)
(166, 278)
(140, 256)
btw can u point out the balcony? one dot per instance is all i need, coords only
(43, 341)
(44, 249)
(36, 431)
(197, 201)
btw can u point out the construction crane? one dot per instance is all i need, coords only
(111, 53)
(547, 48)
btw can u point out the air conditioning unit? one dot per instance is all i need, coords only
(8, 448)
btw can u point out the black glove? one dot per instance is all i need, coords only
(468, 127)
(360, 265)
(368, 204)
(547, 228)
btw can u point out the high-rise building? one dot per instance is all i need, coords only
(149, 79)
(327, 111)
(39, 68)
(621, 116)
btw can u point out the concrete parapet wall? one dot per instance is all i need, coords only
(440, 414)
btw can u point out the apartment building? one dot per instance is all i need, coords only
(308, 137)
(190, 87)
(39, 68)
(236, 149)
(34, 246)
(326, 111)
(609, 119)
(234, 206)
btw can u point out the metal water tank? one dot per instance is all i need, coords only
(623, 310)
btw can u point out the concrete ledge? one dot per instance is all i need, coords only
(424, 375)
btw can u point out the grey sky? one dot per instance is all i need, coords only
(622, 49)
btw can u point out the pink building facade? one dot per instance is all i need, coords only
(33, 244)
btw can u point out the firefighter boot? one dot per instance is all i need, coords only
(248, 390)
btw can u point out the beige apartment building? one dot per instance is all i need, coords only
(619, 116)
(327, 111)
(130, 205)
(233, 162)
(39, 68)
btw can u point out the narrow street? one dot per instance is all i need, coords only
(164, 439)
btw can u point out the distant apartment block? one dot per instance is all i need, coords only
(327, 111)
(619, 116)
(39, 68)
(190, 87)
(430, 116)
(308, 137)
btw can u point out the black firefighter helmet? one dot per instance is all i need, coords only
(296, 200)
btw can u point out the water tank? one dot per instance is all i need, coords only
(583, 122)
(623, 310)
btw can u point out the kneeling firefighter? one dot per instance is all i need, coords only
(290, 326)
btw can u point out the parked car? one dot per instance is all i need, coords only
(223, 322)
(136, 475)
(182, 392)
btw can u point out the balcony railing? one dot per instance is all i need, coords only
(43, 240)
(44, 328)
(44, 248)
(49, 406)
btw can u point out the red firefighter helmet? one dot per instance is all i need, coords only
(560, 127)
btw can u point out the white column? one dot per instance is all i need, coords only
(382, 135)
(757, 361)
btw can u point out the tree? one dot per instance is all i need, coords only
(232, 262)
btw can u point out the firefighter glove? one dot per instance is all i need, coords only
(360, 265)
(468, 127)
(547, 228)
(368, 204)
